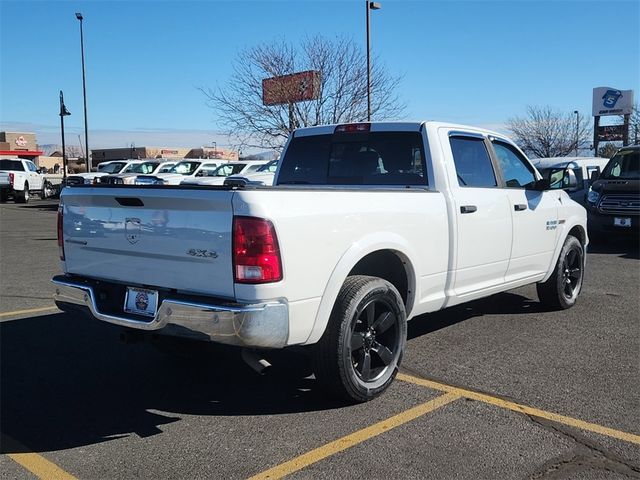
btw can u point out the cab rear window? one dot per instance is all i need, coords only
(370, 158)
(15, 165)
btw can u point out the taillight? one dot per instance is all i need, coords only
(60, 239)
(353, 128)
(11, 179)
(256, 255)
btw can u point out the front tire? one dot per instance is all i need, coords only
(47, 190)
(358, 356)
(562, 288)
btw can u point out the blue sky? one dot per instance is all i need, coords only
(475, 62)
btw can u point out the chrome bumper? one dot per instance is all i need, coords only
(263, 325)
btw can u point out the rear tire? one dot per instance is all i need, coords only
(358, 356)
(562, 288)
(22, 196)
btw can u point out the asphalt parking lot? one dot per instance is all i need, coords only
(494, 389)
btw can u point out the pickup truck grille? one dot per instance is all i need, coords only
(623, 204)
(75, 181)
(112, 181)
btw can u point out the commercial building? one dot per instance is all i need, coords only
(108, 154)
(19, 144)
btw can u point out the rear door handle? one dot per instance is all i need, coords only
(519, 207)
(468, 208)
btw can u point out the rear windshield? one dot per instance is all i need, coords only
(371, 158)
(624, 164)
(227, 169)
(15, 165)
(146, 167)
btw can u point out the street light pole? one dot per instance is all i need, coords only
(577, 130)
(63, 113)
(369, 6)
(84, 94)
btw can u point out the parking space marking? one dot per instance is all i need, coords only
(36, 464)
(17, 313)
(320, 453)
(516, 407)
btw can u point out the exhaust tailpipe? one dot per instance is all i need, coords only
(255, 361)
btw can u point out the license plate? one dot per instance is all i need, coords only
(141, 301)
(622, 222)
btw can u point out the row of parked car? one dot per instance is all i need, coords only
(177, 172)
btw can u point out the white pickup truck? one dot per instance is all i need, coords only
(21, 178)
(367, 226)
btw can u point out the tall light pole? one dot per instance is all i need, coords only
(63, 113)
(370, 6)
(577, 130)
(84, 94)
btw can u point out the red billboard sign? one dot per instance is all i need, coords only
(297, 87)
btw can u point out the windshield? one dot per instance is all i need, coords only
(624, 164)
(114, 167)
(228, 169)
(15, 165)
(270, 167)
(185, 168)
(146, 167)
(369, 158)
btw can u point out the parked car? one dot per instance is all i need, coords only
(559, 169)
(131, 172)
(262, 176)
(20, 179)
(181, 171)
(613, 201)
(368, 225)
(104, 168)
(218, 176)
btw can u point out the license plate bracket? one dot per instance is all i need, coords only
(141, 301)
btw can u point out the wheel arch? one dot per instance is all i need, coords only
(576, 229)
(387, 256)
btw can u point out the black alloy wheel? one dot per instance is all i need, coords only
(359, 353)
(374, 341)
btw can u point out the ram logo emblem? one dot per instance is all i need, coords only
(133, 229)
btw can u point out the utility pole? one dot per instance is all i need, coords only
(84, 94)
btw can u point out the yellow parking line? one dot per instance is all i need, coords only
(516, 407)
(36, 464)
(355, 438)
(30, 310)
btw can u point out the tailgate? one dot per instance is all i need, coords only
(167, 238)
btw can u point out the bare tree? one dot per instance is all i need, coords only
(342, 90)
(608, 150)
(548, 133)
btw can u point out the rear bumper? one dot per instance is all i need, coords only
(264, 325)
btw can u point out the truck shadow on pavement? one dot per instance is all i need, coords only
(66, 381)
(500, 304)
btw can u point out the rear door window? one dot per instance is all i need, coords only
(472, 162)
(369, 158)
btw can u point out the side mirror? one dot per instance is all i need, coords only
(542, 185)
(594, 176)
(569, 180)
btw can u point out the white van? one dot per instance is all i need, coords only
(582, 167)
